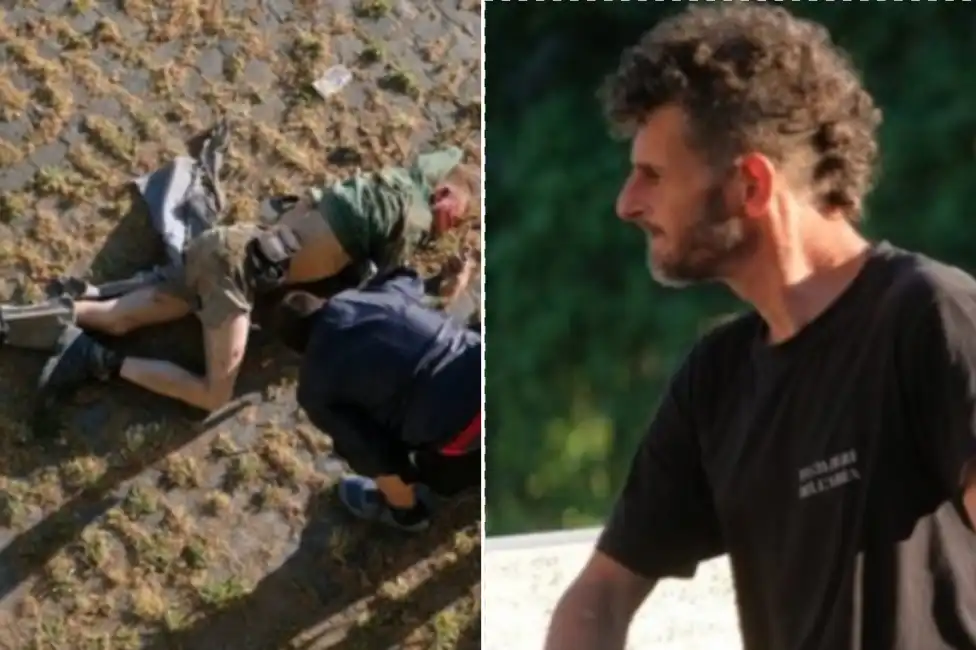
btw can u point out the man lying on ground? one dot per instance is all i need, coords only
(397, 386)
(380, 216)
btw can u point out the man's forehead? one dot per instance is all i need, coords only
(662, 138)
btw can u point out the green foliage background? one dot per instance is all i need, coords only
(579, 339)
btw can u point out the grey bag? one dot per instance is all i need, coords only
(184, 198)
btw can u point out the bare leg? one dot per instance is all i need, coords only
(225, 347)
(397, 493)
(141, 308)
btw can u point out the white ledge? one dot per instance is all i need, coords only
(526, 574)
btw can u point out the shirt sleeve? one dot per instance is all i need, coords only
(938, 358)
(221, 296)
(664, 523)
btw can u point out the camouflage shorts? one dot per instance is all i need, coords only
(212, 278)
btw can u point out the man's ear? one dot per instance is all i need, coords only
(754, 182)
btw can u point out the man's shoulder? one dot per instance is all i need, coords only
(920, 284)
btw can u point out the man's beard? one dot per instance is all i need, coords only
(705, 248)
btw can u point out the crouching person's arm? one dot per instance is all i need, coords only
(444, 288)
(355, 438)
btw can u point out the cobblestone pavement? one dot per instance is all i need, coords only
(148, 528)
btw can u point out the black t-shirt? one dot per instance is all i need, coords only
(828, 467)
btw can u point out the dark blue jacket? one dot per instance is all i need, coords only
(382, 366)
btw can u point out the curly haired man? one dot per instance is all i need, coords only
(823, 440)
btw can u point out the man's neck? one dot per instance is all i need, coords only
(791, 282)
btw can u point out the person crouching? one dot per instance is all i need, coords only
(397, 386)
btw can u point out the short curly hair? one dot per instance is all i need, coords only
(756, 78)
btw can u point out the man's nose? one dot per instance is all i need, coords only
(628, 207)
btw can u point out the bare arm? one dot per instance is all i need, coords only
(457, 282)
(662, 525)
(445, 288)
(595, 612)
(225, 346)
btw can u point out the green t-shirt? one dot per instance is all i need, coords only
(383, 216)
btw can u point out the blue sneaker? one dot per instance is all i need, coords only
(364, 500)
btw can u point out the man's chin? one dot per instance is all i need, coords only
(666, 280)
(674, 278)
